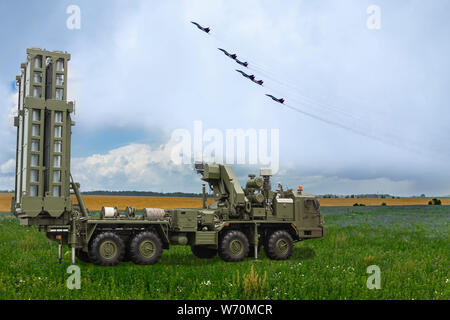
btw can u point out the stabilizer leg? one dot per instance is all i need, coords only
(60, 252)
(73, 256)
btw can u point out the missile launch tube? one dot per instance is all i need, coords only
(79, 198)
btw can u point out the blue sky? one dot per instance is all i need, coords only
(140, 70)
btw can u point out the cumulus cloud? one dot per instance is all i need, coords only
(6, 183)
(8, 99)
(8, 167)
(133, 167)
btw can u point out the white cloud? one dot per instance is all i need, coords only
(12, 108)
(8, 167)
(8, 100)
(132, 167)
(6, 183)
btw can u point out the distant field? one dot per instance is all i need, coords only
(377, 202)
(409, 244)
(5, 202)
(97, 202)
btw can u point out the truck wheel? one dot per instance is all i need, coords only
(233, 246)
(82, 255)
(107, 249)
(279, 245)
(203, 252)
(146, 248)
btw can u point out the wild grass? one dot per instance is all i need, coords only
(409, 244)
(252, 284)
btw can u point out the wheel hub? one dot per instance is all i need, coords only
(147, 248)
(236, 247)
(108, 249)
(282, 245)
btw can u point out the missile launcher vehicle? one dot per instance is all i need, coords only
(235, 226)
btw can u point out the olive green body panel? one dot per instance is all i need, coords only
(206, 238)
(284, 209)
(258, 212)
(184, 221)
(207, 218)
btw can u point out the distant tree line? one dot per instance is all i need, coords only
(142, 194)
(370, 195)
(355, 196)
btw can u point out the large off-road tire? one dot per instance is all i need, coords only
(203, 252)
(146, 248)
(279, 245)
(233, 246)
(106, 249)
(82, 255)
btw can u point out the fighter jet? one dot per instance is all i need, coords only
(244, 64)
(251, 77)
(276, 99)
(207, 30)
(232, 56)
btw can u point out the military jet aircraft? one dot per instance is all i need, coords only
(244, 64)
(207, 30)
(251, 77)
(229, 55)
(276, 99)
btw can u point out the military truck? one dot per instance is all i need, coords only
(235, 226)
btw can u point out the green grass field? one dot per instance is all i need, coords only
(409, 244)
